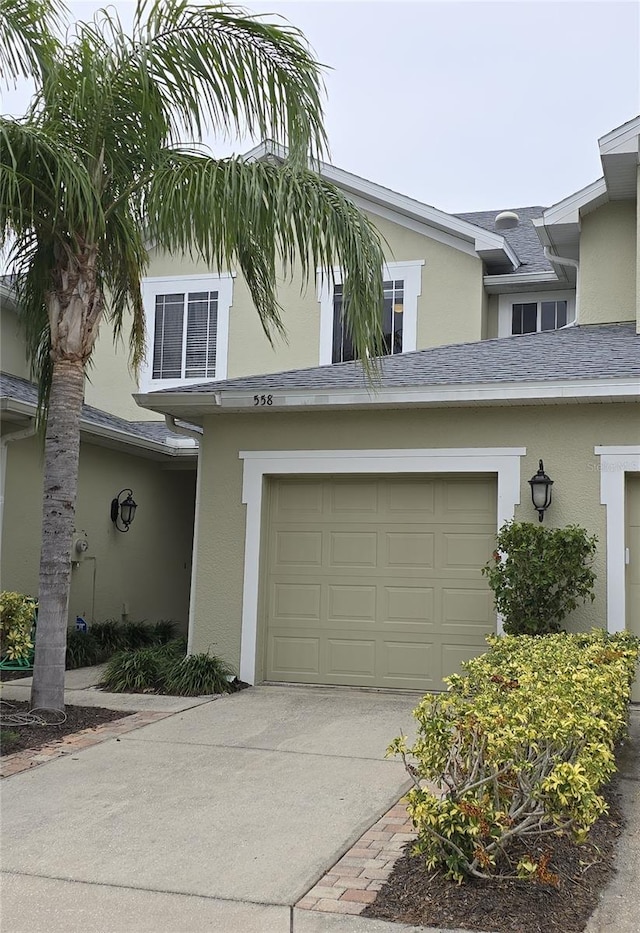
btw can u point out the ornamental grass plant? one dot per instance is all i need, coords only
(520, 746)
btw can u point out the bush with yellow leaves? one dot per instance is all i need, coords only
(519, 746)
(17, 616)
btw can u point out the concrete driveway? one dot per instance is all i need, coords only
(218, 818)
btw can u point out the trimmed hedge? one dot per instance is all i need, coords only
(519, 746)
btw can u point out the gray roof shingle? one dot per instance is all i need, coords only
(24, 391)
(523, 239)
(573, 353)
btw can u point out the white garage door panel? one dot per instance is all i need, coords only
(377, 582)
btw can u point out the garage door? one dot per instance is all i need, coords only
(376, 582)
(633, 567)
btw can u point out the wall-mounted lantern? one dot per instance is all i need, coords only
(541, 491)
(123, 510)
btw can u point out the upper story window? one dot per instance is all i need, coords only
(392, 322)
(402, 288)
(188, 322)
(530, 314)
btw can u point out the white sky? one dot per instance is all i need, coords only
(465, 105)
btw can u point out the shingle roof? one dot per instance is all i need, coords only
(523, 238)
(24, 391)
(573, 353)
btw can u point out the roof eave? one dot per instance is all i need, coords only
(118, 437)
(489, 246)
(199, 405)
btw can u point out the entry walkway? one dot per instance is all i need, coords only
(222, 817)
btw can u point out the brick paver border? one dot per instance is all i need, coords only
(354, 881)
(31, 758)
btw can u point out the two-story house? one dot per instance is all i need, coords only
(340, 525)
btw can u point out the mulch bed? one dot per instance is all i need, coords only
(17, 738)
(413, 895)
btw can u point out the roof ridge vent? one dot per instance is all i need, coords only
(506, 220)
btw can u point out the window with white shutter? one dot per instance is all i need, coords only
(188, 319)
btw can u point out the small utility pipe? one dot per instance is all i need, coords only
(574, 264)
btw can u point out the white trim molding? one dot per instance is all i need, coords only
(260, 464)
(411, 274)
(221, 283)
(615, 463)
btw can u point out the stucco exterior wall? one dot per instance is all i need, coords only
(12, 348)
(491, 318)
(110, 383)
(608, 262)
(145, 572)
(564, 436)
(449, 309)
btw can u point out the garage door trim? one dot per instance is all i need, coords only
(615, 463)
(259, 464)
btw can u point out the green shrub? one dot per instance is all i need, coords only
(519, 746)
(140, 671)
(109, 636)
(538, 575)
(17, 618)
(198, 675)
(163, 632)
(83, 650)
(136, 635)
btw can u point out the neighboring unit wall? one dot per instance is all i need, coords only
(145, 572)
(608, 263)
(13, 358)
(564, 436)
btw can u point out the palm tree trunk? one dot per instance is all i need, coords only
(62, 450)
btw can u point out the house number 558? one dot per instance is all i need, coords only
(263, 399)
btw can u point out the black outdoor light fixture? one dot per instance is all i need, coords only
(541, 491)
(123, 510)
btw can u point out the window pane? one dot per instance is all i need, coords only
(392, 317)
(554, 314)
(167, 337)
(561, 313)
(202, 333)
(548, 316)
(524, 318)
(530, 318)
(342, 343)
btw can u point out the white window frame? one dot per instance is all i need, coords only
(411, 274)
(169, 284)
(615, 463)
(261, 464)
(505, 303)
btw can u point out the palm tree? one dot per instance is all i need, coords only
(96, 170)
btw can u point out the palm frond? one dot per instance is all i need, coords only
(27, 37)
(44, 184)
(261, 216)
(229, 71)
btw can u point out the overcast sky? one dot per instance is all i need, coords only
(466, 105)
